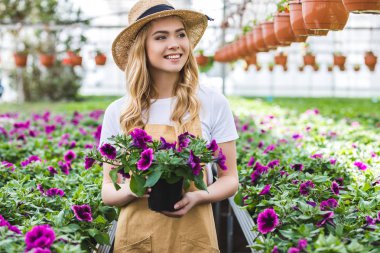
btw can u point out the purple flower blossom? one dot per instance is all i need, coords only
(108, 151)
(72, 144)
(255, 176)
(88, 146)
(297, 136)
(283, 172)
(221, 160)
(183, 140)
(261, 144)
(305, 187)
(265, 190)
(194, 163)
(326, 217)
(315, 156)
(244, 128)
(335, 188)
(8, 165)
(275, 250)
(97, 133)
(261, 168)
(251, 161)
(31, 159)
(22, 125)
(41, 236)
(3, 132)
(293, 250)
(166, 145)
(297, 167)
(5, 223)
(69, 156)
(96, 114)
(82, 213)
(302, 244)
(339, 181)
(311, 203)
(267, 221)
(269, 149)
(40, 188)
(360, 165)
(32, 133)
(88, 162)
(140, 138)
(52, 170)
(49, 129)
(65, 167)
(123, 174)
(146, 159)
(328, 204)
(213, 146)
(54, 192)
(333, 161)
(370, 221)
(273, 163)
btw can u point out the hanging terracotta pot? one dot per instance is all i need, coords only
(370, 60)
(259, 39)
(20, 59)
(251, 59)
(76, 60)
(251, 42)
(269, 35)
(362, 6)
(100, 59)
(281, 59)
(309, 59)
(201, 59)
(356, 67)
(235, 51)
(324, 14)
(301, 39)
(296, 18)
(339, 60)
(47, 60)
(330, 68)
(242, 47)
(283, 28)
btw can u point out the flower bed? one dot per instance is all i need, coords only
(49, 201)
(310, 183)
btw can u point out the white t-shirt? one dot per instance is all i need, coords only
(215, 115)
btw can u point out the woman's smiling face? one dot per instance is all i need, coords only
(167, 45)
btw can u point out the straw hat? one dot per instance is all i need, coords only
(145, 11)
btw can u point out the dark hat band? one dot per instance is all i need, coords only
(155, 9)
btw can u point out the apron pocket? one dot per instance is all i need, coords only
(193, 246)
(142, 246)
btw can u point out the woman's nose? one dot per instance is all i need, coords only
(173, 44)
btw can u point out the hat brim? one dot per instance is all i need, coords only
(195, 22)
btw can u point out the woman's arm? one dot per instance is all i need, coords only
(110, 195)
(226, 185)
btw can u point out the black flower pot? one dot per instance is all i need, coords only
(164, 195)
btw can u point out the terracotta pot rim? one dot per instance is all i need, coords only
(295, 2)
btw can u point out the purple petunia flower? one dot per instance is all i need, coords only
(41, 236)
(302, 244)
(88, 162)
(145, 160)
(335, 188)
(166, 145)
(328, 204)
(5, 223)
(69, 156)
(283, 172)
(3, 132)
(183, 140)
(41, 250)
(123, 174)
(54, 192)
(339, 181)
(251, 161)
(260, 145)
(273, 163)
(140, 138)
(305, 187)
(333, 161)
(65, 167)
(267, 221)
(97, 133)
(82, 213)
(275, 250)
(52, 170)
(311, 203)
(370, 221)
(213, 146)
(326, 217)
(194, 163)
(40, 188)
(261, 168)
(360, 165)
(297, 136)
(297, 167)
(108, 151)
(88, 146)
(269, 149)
(244, 128)
(316, 156)
(293, 250)
(8, 165)
(255, 176)
(265, 190)
(49, 129)
(221, 160)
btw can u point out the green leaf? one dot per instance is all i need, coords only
(137, 185)
(238, 199)
(101, 238)
(100, 219)
(153, 178)
(113, 175)
(199, 183)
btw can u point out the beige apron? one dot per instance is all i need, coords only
(140, 230)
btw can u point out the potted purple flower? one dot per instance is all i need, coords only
(167, 168)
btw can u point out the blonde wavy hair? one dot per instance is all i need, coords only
(140, 89)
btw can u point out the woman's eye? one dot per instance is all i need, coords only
(160, 38)
(182, 35)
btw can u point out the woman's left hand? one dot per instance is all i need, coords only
(188, 201)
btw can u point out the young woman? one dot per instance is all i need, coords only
(164, 98)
